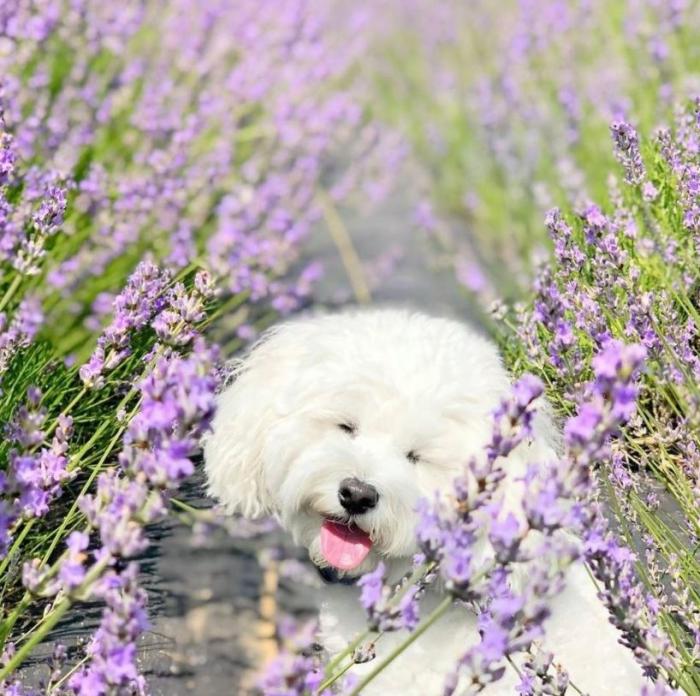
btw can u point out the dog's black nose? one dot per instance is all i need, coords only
(357, 496)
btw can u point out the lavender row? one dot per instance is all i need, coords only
(161, 165)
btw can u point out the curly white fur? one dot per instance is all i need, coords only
(409, 383)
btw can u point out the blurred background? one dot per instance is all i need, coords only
(317, 154)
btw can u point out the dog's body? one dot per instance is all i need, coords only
(351, 419)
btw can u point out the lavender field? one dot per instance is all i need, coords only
(176, 177)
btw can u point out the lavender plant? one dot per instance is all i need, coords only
(625, 269)
(629, 271)
(160, 167)
(622, 270)
(563, 523)
(507, 108)
(584, 116)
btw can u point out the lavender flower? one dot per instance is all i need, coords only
(383, 613)
(112, 651)
(451, 534)
(627, 151)
(72, 572)
(175, 325)
(34, 479)
(176, 409)
(297, 671)
(37, 579)
(372, 588)
(290, 675)
(134, 307)
(8, 156)
(612, 401)
(20, 331)
(631, 609)
(541, 675)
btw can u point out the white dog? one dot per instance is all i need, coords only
(354, 417)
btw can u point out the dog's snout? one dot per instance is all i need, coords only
(357, 496)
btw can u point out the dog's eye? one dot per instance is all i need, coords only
(413, 457)
(349, 428)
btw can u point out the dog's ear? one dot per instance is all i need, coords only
(246, 410)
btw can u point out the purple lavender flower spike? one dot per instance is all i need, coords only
(627, 151)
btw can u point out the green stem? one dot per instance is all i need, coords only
(67, 410)
(15, 545)
(343, 242)
(9, 623)
(418, 572)
(24, 651)
(253, 131)
(348, 650)
(232, 303)
(30, 523)
(51, 688)
(11, 620)
(422, 628)
(10, 291)
(86, 486)
(50, 621)
(331, 680)
(185, 506)
(75, 459)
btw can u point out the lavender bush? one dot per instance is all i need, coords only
(628, 271)
(161, 164)
(507, 107)
(589, 107)
(514, 109)
(564, 522)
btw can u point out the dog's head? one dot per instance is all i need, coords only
(339, 424)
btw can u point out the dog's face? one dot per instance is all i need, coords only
(359, 453)
(338, 425)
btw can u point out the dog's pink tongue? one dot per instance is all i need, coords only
(342, 546)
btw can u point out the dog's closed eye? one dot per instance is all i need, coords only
(349, 428)
(413, 457)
